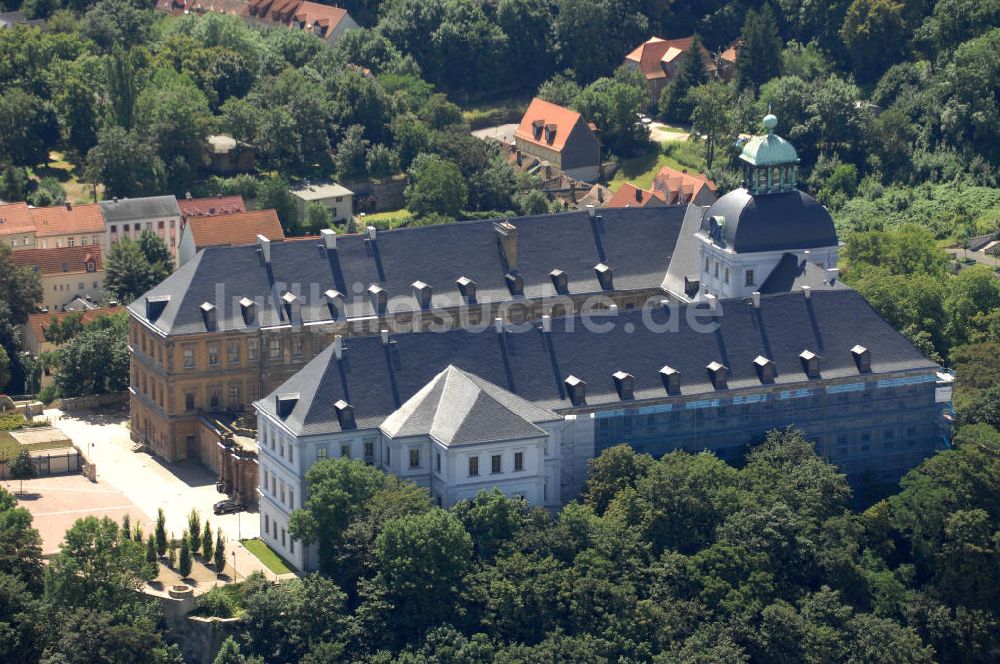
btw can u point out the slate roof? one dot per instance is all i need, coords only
(772, 222)
(457, 408)
(237, 228)
(784, 326)
(59, 260)
(638, 244)
(791, 274)
(130, 209)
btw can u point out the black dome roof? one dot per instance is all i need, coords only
(771, 222)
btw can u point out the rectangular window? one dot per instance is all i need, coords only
(369, 452)
(234, 396)
(253, 349)
(518, 460)
(716, 269)
(345, 451)
(473, 466)
(291, 544)
(388, 458)
(189, 401)
(321, 453)
(213, 355)
(188, 357)
(749, 278)
(274, 348)
(291, 498)
(234, 352)
(414, 458)
(267, 523)
(214, 396)
(726, 276)
(296, 346)
(437, 461)
(496, 464)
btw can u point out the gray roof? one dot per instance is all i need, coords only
(785, 325)
(638, 245)
(791, 274)
(684, 261)
(772, 222)
(458, 408)
(129, 209)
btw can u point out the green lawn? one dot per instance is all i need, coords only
(266, 555)
(9, 447)
(388, 214)
(641, 170)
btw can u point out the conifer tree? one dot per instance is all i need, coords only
(220, 552)
(161, 532)
(758, 59)
(675, 104)
(151, 550)
(206, 543)
(184, 564)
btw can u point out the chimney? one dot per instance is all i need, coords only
(692, 285)
(155, 304)
(862, 358)
(264, 246)
(577, 390)
(187, 195)
(832, 275)
(372, 233)
(717, 372)
(69, 205)
(600, 194)
(379, 298)
(384, 335)
(638, 195)
(507, 240)
(248, 309)
(209, 316)
(591, 210)
(345, 415)
(604, 276)
(422, 293)
(624, 385)
(329, 238)
(810, 363)
(335, 303)
(515, 283)
(756, 299)
(671, 380)
(338, 347)
(713, 301)
(560, 281)
(285, 403)
(467, 287)
(765, 369)
(806, 292)
(293, 308)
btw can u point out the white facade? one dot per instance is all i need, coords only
(727, 274)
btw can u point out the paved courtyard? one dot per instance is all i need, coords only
(132, 482)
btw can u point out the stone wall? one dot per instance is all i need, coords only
(199, 638)
(91, 401)
(378, 195)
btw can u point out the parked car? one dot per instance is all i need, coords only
(227, 507)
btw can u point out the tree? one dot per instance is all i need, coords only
(22, 467)
(4, 368)
(125, 163)
(758, 60)
(194, 530)
(128, 272)
(875, 34)
(711, 116)
(20, 543)
(14, 183)
(612, 105)
(184, 563)
(48, 193)
(615, 469)
(96, 568)
(29, 128)
(122, 79)
(492, 519)
(21, 634)
(96, 361)
(351, 153)
(561, 89)
(155, 250)
(533, 202)
(161, 532)
(172, 552)
(20, 287)
(206, 542)
(436, 187)
(381, 161)
(230, 653)
(151, 556)
(220, 552)
(674, 103)
(273, 194)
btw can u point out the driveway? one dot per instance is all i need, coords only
(661, 133)
(150, 483)
(503, 133)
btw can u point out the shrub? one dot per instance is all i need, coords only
(12, 421)
(218, 602)
(48, 394)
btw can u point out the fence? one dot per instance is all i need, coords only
(62, 463)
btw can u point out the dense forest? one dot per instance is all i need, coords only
(684, 559)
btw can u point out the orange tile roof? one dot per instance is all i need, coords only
(676, 184)
(211, 206)
(655, 50)
(232, 229)
(628, 195)
(15, 218)
(67, 220)
(560, 118)
(313, 13)
(60, 260)
(39, 322)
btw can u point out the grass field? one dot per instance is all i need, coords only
(9, 447)
(640, 170)
(266, 555)
(64, 171)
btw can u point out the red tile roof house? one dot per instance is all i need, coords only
(229, 229)
(659, 61)
(681, 187)
(631, 196)
(33, 332)
(560, 137)
(326, 22)
(66, 272)
(209, 207)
